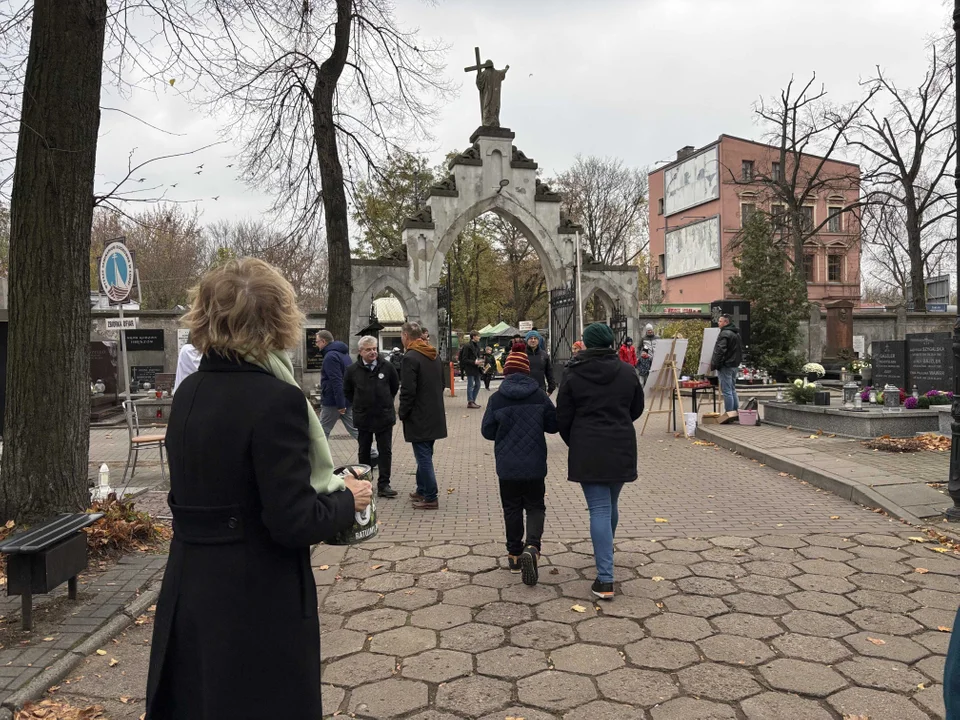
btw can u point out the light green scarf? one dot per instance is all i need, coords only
(278, 364)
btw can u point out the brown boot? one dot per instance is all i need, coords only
(424, 505)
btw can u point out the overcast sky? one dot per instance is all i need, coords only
(634, 79)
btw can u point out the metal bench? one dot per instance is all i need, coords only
(42, 558)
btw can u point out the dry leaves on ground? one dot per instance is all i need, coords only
(123, 529)
(931, 442)
(52, 710)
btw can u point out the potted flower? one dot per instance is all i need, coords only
(813, 371)
(864, 368)
(801, 392)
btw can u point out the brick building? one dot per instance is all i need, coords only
(710, 191)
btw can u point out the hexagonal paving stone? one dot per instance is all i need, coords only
(772, 569)
(359, 669)
(555, 690)
(933, 666)
(834, 541)
(675, 557)
(387, 583)
(476, 695)
(577, 561)
(932, 598)
(585, 659)
(344, 603)
(396, 552)
(878, 553)
(410, 599)
(438, 666)
(881, 674)
(804, 678)
(813, 623)
(630, 607)
(511, 663)
(698, 605)
(471, 596)
(420, 565)
(561, 610)
(782, 705)
(472, 637)
(651, 589)
(557, 575)
(752, 626)
(875, 704)
(664, 570)
(642, 688)
(504, 614)
(688, 544)
(934, 581)
(888, 602)
(527, 595)
(403, 641)
(718, 682)
(887, 541)
(495, 579)
(441, 617)
(782, 541)
(721, 571)
(602, 710)
(442, 580)
(941, 565)
(578, 591)
(542, 635)
(338, 643)
(825, 567)
(771, 554)
(823, 583)
(933, 618)
(891, 647)
(446, 551)
(821, 602)
(817, 552)
(808, 647)
(515, 711)
(332, 699)
(706, 586)
(472, 564)
(686, 708)
(880, 567)
(661, 654)
(733, 543)
(610, 631)
(931, 698)
(754, 604)
(388, 699)
(364, 570)
(877, 621)
(934, 641)
(883, 583)
(765, 585)
(735, 650)
(378, 620)
(725, 555)
(678, 627)
(493, 549)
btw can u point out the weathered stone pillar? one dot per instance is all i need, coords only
(901, 331)
(814, 334)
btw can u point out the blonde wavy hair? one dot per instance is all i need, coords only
(244, 307)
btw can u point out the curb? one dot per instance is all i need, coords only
(841, 487)
(74, 656)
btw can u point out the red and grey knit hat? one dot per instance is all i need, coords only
(517, 361)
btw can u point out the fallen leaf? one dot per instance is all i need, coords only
(578, 608)
(376, 567)
(834, 517)
(47, 639)
(113, 662)
(124, 699)
(917, 539)
(941, 549)
(657, 578)
(922, 571)
(921, 686)
(944, 628)
(450, 490)
(660, 520)
(783, 474)
(101, 652)
(877, 641)
(152, 608)
(554, 571)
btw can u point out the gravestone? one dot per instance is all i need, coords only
(145, 374)
(839, 327)
(889, 363)
(314, 358)
(143, 340)
(103, 365)
(930, 362)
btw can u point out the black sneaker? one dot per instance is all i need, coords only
(513, 562)
(385, 491)
(603, 590)
(528, 565)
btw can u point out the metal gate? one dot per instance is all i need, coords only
(563, 326)
(444, 320)
(618, 323)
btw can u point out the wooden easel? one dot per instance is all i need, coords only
(668, 383)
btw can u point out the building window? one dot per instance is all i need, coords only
(806, 218)
(746, 212)
(662, 263)
(835, 220)
(778, 217)
(810, 268)
(746, 170)
(660, 206)
(775, 173)
(835, 268)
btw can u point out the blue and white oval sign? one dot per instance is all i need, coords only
(116, 271)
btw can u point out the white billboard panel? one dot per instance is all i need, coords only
(694, 181)
(693, 248)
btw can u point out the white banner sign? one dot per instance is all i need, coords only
(123, 323)
(525, 326)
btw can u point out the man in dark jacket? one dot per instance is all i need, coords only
(371, 384)
(517, 417)
(421, 410)
(727, 356)
(470, 362)
(334, 404)
(541, 367)
(598, 402)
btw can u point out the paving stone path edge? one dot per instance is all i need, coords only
(63, 666)
(842, 487)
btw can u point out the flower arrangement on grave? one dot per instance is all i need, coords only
(934, 397)
(814, 368)
(865, 395)
(801, 392)
(859, 365)
(911, 403)
(903, 397)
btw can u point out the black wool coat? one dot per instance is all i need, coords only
(468, 360)
(237, 635)
(541, 369)
(372, 394)
(421, 397)
(599, 400)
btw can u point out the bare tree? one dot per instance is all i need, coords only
(518, 262)
(910, 148)
(609, 200)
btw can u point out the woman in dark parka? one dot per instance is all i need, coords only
(237, 634)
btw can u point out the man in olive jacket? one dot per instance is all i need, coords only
(421, 410)
(370, 385)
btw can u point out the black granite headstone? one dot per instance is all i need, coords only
(104, 363)
(145, 374)
(929, 362)
(144, 340)
(889, 363)
(314, 359)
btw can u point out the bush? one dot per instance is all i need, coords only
(692, 330)
(924, 403)
(802, 392)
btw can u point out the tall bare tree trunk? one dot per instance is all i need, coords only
(340, 284)
(47, 435)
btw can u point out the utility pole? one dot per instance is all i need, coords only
(953, 482)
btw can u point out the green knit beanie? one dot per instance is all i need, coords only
(598, 335)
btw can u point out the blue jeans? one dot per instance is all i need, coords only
(602, 501)
(951, 675)
(426, 477)
(728, 387)
(473, 388)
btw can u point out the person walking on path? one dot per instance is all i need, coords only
(489, 366)
(541, 366)
(252, 488)
(516, 418)
(471, 363)
(188, 362)
(645, 360)
(421, 410)
(598, 402)
(727, 356)
(334, 404)
(371, 384)
(628, 353)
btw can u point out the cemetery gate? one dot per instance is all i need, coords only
(444, 323)
(563, 326)
(618, 323)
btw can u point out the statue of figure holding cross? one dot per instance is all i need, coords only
(489, 80)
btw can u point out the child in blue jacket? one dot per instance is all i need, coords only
(516, 418)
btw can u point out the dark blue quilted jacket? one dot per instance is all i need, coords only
(516, 418)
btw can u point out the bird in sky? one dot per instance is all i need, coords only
(200, 166)
(198, 172)
(216, 197)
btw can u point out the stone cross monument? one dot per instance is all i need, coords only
(489, 80)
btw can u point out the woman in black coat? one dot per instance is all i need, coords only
(237, 634)
(599, 400)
